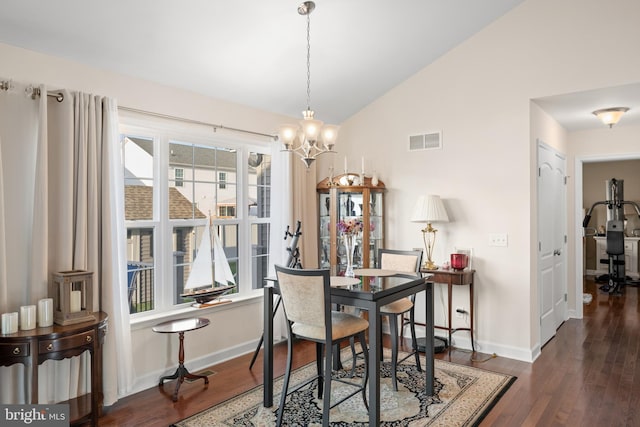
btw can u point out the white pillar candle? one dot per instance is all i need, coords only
(27, 317)
(45, 312)
(9, 323)
(76, 301)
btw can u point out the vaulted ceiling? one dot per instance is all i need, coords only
(254, 52)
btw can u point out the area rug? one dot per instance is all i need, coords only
(463, 396)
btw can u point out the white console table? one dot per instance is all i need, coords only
(630, 255)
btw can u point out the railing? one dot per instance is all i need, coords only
(140, 286)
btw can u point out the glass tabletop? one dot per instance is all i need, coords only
(373, 287)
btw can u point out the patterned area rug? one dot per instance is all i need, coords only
(463, 396)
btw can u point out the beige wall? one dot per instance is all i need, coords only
(479, 96)
(155, 354)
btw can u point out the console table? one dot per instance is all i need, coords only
(35, 346)
(454, 278)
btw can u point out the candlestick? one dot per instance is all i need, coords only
(76, 305)
(45, 312)
(27, 317)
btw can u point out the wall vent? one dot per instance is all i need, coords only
(426, 141)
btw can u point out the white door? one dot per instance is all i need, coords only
(552, 276)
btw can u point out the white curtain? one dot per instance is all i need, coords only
(74, 220)
(280, 205)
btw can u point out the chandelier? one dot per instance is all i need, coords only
(312, 137)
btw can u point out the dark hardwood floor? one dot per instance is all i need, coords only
(587, 375)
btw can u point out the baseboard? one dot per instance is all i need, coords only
(151, 379)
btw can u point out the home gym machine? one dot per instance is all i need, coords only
(615, 279)
(293, 261)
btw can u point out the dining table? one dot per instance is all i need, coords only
(369, 290)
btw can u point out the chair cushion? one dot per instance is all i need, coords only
(397, 307)
(342, 325)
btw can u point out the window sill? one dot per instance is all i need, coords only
(146, 321)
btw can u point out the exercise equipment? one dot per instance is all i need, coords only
(615, 279)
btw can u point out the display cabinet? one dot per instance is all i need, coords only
(342, 198)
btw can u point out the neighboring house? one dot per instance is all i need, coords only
(138, 206)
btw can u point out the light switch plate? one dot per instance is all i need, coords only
(498, 239)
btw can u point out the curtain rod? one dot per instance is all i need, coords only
(31, 91)
(34, 92)
(197, 122)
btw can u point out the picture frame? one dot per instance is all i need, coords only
(466, 251)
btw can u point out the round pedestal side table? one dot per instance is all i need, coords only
(180, 326)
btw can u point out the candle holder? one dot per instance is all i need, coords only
(72, 293)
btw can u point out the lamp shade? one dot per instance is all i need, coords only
(610, 116)
(429, 209)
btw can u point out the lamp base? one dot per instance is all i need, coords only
(439, 344)
(430, 265)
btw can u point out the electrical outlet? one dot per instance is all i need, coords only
(498, 239)
(460, 312)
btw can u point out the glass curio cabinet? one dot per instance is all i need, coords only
(343, 198)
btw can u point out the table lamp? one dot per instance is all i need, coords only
(429, 209)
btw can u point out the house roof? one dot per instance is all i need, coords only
(139, 204)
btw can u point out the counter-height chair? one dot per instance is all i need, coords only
(307, 308)
(409, 262)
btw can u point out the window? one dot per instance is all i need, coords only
(222, 179)
(178, 175)
(180, 187)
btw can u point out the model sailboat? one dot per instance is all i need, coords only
(207, 273)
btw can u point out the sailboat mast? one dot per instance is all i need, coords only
(212, 248)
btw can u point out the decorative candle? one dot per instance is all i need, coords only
(76, 305)
(362, 165)
(27, 317)
(345, 164)
(9, 323)
(45, 312)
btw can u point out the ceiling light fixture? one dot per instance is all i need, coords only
(311, 133)
(610, 116)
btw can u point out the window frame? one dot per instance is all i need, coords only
(163, 132)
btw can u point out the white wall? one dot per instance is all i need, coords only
(234, 329)
(479, 96)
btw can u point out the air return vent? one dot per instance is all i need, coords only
(426, 141)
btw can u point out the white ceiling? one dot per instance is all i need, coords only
(253, 52)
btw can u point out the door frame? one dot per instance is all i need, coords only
(578, 216)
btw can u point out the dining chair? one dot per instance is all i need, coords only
(408, 262)
(306, 300)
